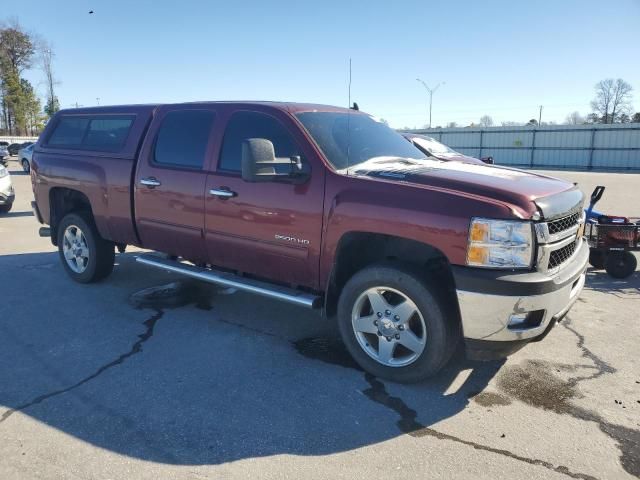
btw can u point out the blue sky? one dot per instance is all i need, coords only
(501, 58)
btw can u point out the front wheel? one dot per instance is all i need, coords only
(621, 264)
(25, 165)
(394, 325)
(85, 255)
(597, 259)
(5, 208)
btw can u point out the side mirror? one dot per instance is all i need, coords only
(260, 164)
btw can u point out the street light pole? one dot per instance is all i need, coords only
(431, 92)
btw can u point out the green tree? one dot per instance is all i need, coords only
(16, 52)
(16, 102)
(52, 106)
(33, 108)
(16, 47)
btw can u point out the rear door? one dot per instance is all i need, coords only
(270, 229)
(170, 181)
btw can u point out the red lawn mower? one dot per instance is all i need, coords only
(612, 239)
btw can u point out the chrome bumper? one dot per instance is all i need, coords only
(489, 316)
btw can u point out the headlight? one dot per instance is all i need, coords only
(500, 243)
(3, 171)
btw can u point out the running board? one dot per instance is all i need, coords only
(235, 281)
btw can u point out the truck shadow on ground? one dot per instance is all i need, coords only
(16, 214)
(189, 374)
(601, 281)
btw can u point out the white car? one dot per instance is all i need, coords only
(4, 154)
(7, 194)
(24, 155)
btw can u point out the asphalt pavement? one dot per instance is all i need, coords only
(148, 376)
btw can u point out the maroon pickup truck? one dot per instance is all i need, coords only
(322, 207)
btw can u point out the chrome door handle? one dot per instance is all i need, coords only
(221, 193)
(150, 182)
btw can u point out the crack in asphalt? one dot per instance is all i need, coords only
(599, 365)
(332, 351)
(628, 439)
(535, 383)
(136, 348)
(408, 424)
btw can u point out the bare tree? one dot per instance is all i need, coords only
(574, 118)
(486, 121)
(636, 117)
(46, 55)
(621, 100)
(613, 98)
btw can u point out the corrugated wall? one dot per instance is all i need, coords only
(606, 147)
(18, 139)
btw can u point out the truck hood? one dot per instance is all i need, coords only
(528, 191)
(457, 157)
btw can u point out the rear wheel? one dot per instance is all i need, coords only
(621, 264)
(597, 259)
(394, 325)
(85, 255)
(5, 208)
(25, 165)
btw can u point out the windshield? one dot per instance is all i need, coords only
(432, 146)
(349, 139)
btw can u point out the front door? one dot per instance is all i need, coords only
(268, 229)
(170, 181)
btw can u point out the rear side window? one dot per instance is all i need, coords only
(69, 132)
(107, 133)
(99, 133)
(244, 125)
(183, 137)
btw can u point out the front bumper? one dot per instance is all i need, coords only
(502, 311)
(7, 199)
(7, 194)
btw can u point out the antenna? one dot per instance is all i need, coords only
(349, 101)
(349, 121)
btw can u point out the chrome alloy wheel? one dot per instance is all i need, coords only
(388, 326)
(75, 249)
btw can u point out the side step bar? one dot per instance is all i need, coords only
(230, 280)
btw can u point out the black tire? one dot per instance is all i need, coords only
(25, 165)
(6, 208)
(621, 264)
(101, 253)
(442, 333)
(597, 259)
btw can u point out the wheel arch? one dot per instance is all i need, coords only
(357, 250)
(63, 200)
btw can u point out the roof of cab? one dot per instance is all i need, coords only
(291, 107)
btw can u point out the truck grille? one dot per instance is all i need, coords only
(558, 257)
(565, 223)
